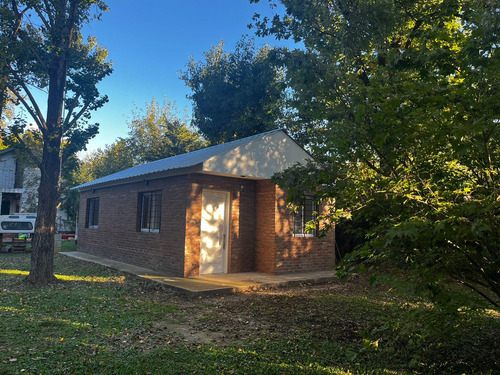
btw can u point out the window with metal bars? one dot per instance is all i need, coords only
(305, 214)
(92, 213)
(150, 211)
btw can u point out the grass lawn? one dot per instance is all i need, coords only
(100, 321)
(66, 245)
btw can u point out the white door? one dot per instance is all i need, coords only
(214, 232)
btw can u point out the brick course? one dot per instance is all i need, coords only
(300, 254)
(117, 236)
(277, 250)
(261, 227)
(265, 235)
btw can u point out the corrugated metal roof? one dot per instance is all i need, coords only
(189, 159)
(11, 190)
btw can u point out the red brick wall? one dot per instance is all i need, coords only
(265, 226)
(117, 236)
(261, 235)
(300, 254)
(193, 223)
(241, 226)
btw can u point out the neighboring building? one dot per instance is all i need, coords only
(19, 189)
(214, 210)
(11, 188)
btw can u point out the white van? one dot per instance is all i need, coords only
(17, 223)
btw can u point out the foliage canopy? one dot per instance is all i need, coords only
(235, 94)
(158, 133)
(400, 100)
(161, 132)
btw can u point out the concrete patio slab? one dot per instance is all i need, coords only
(210, 284)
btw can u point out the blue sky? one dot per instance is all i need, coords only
(150, 42)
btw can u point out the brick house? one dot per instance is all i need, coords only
(209, 211)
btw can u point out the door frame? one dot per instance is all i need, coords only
(227, 226)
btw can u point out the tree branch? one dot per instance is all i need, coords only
(71, 25)
(381, 155)
(19, 19)
(70, 110)
(27, 106)
(41, 123)
(19, 31)
(492, 285)
(37, 56)
(28, 150)
(47, 10)
(375, 148)
(375, 168)
(494, 254)
(78, 115)
(42, 17)
(472, 287)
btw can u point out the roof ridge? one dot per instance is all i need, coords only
(226, 143)
(224, 147)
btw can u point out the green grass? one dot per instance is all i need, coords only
(99, 321)
(68, 245)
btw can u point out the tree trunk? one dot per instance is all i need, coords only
(3, 94)
(42, 256)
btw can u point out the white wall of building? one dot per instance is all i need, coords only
(7, 170)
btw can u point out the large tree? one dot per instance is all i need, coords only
(157, 133)
(42, 51)
(161, 132)
(235, 94)
(402, 102)
(105, 161)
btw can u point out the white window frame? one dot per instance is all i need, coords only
(301, 215)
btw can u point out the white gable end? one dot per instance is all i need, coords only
(258, 156)
(261, 158)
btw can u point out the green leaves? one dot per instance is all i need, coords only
(158, 133)
(51, 56)
(398, 101)
(235, 94)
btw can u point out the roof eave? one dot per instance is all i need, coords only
(148, 176)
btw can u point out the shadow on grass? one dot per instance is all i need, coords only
(98, 321)
(65, 269)
(246, 360)
(92, 279)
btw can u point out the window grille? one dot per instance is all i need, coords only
(92, 213)
(150, 211)
(306, 213)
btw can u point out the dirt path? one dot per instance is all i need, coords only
(242, 318)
